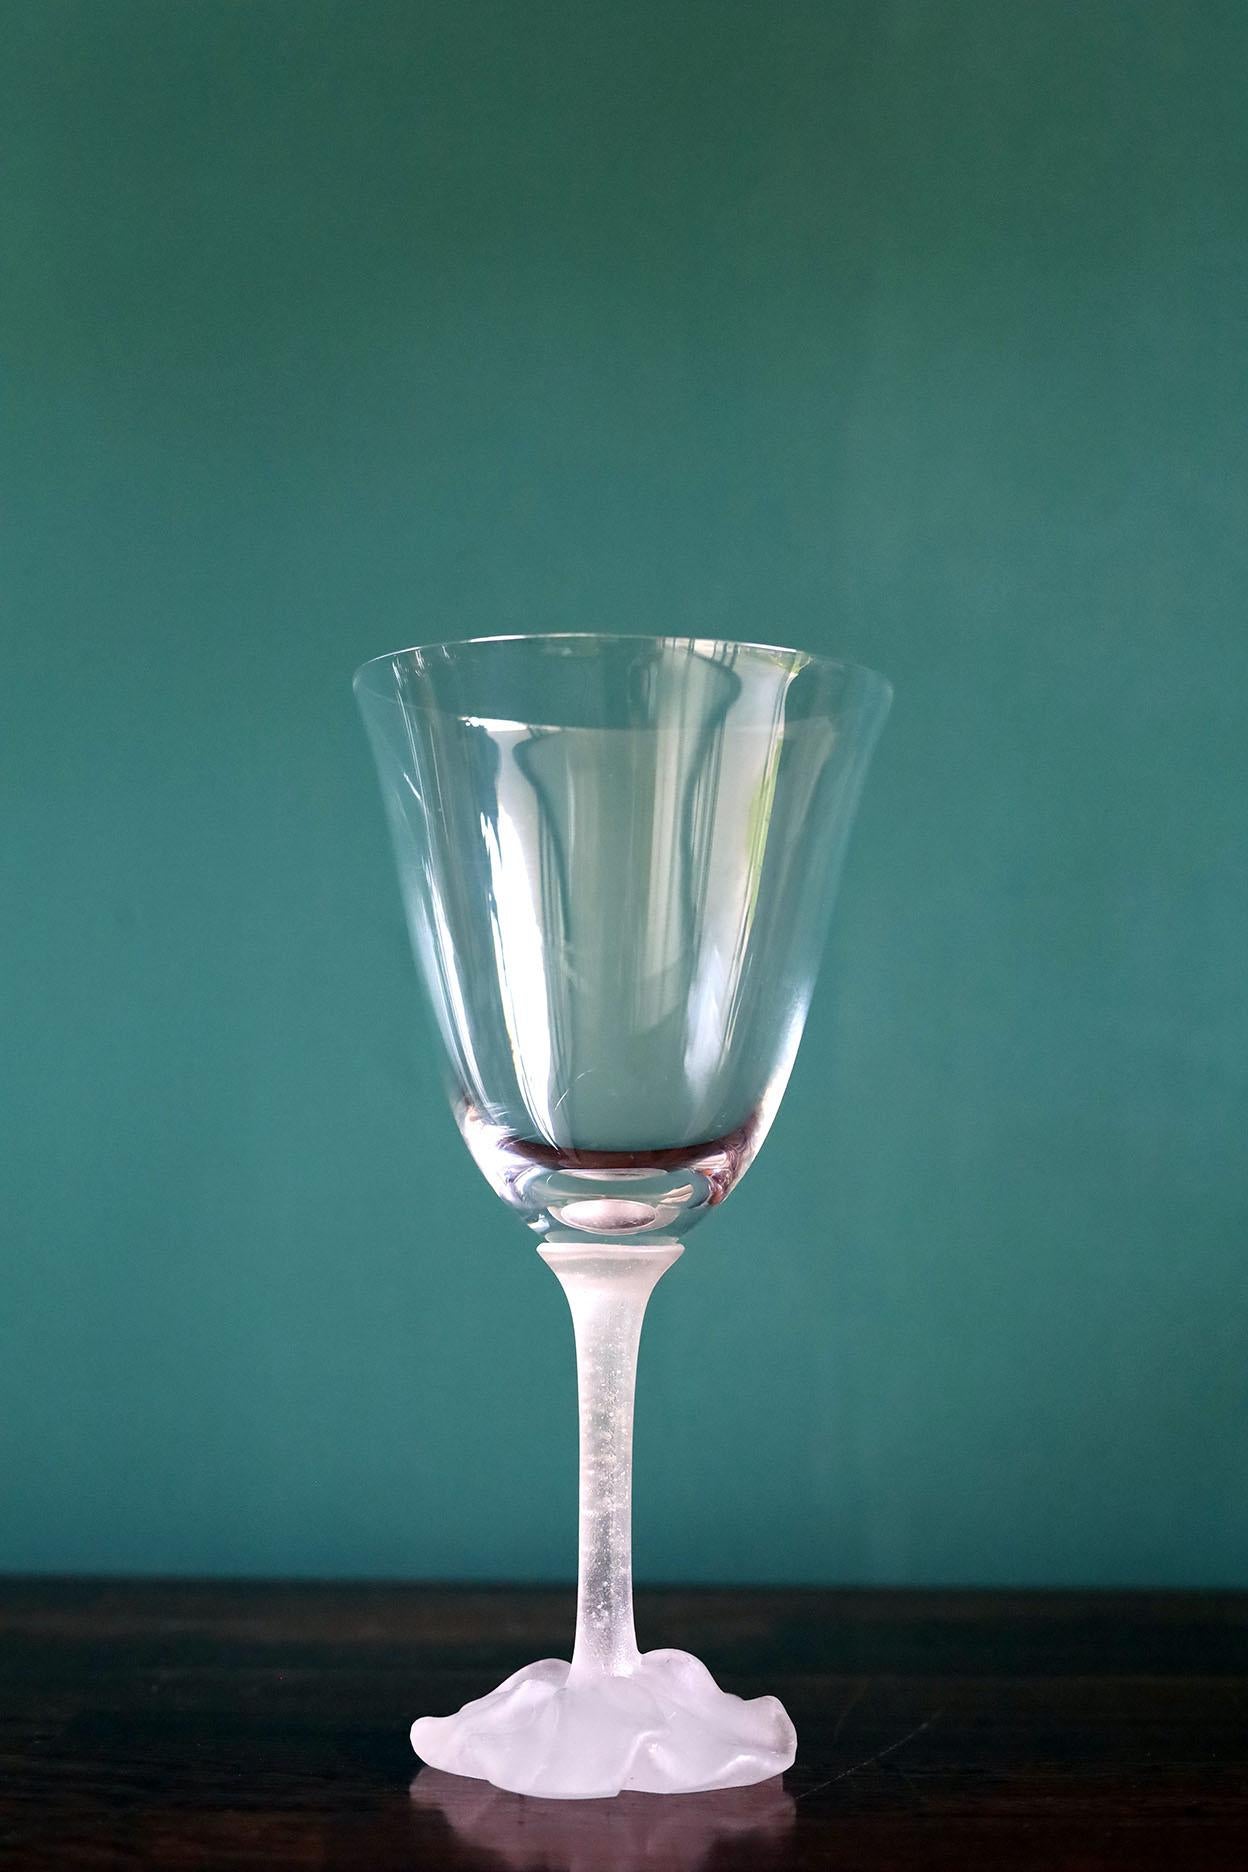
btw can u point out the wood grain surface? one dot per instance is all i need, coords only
(204, 1725)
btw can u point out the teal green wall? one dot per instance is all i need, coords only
(918, 331)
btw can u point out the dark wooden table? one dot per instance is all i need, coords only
(254, 1725)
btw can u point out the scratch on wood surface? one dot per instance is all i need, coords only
(870, 1760)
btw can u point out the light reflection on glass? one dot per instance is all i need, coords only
(618, 858)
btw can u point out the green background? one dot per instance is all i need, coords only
(917, 331)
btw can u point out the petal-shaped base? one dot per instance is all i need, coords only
(667, 1728)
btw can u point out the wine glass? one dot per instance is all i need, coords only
(617, 858)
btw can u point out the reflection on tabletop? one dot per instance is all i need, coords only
(675, 1831)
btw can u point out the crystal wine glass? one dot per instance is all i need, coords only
(618, 857)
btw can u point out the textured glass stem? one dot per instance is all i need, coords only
(607, 1290)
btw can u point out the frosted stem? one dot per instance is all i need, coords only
(611, 1719)
(607, 1290)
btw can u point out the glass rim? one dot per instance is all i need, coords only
(805, 658)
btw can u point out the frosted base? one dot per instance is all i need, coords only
(666, 1728)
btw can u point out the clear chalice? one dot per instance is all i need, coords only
(618, 857)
